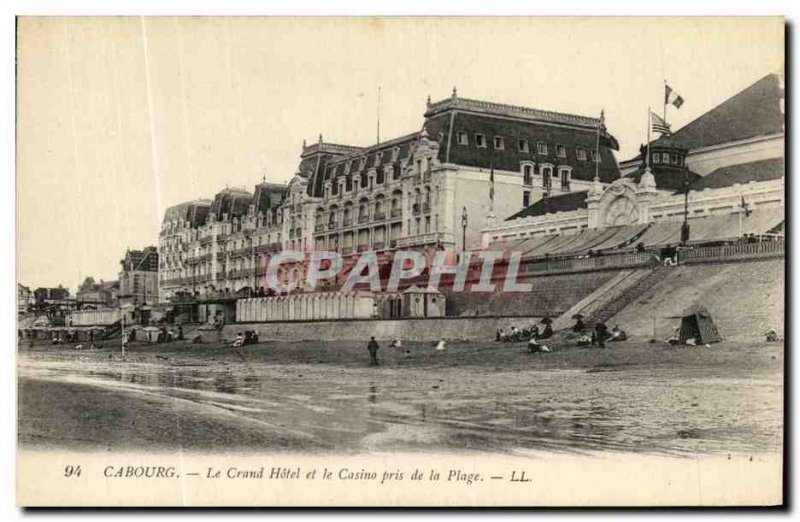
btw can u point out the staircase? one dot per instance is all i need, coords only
(627, 296)
(111, 331)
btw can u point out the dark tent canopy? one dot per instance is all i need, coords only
(697, 324)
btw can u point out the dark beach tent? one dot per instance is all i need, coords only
(697, 323)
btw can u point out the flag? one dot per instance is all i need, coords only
(746, 208)
(672, 97)
(658, 124)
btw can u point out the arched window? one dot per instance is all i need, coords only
(547, 173)
(527, 174)
(564, 174)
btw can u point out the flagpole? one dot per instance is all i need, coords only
(648, 138)
(379, 115)
(665, 100)
(597, 152)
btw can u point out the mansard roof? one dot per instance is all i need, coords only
(512, 130)
(762, 170)
(195, 212)
(232, 202)
(445, 119)
(269, 195)
(561, 203)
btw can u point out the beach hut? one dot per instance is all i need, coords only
(697, 323)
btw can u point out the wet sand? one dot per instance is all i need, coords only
(477, 396)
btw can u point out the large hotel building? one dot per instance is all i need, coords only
(472, 163)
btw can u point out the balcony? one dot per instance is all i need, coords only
(363, 248)
(271, 247)
(378, 245)
(319, 227)
(421, 239)
(426, 207)
(379, 216)
(363, 218)
(396, 212)
(347, 250)
(348, 221)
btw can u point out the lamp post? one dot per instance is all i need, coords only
(685, 226)
(464, 221)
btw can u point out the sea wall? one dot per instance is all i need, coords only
(430, 329)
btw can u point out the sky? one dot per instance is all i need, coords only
(120, 118)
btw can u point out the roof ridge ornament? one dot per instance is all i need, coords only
(455, 92)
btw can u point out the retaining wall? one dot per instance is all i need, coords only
(432, 329)
(550, 296)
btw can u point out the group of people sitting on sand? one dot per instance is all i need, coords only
(515, 335)
(245, 338)
(598, 335)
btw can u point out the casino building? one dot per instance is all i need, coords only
(722, 173)
(435, 189)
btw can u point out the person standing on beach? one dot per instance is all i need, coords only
(600, 331)
(372, 347)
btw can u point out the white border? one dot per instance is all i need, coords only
(788, 8)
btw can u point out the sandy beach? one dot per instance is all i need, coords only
(477, 396)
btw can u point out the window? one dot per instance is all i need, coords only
(527, 174)
(480, 140)
(580, 153)
(462, 138)
(526, 198)
(522, 145)
(656, 158)
(561, 151)
(565, 178)
(499, 143)
(541, 148)
(595, 156)
(674, 159)
(546, 172)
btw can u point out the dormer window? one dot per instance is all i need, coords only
(362, 162)
(580, 153)
(378, 158)
(499, 143)
(541, 148)
(595, 157)
(347, 168)
(656, 158)
(675, 159)
(462, 138)
(522, 145)
(480, 141)
(561, 151)
(395, 153)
